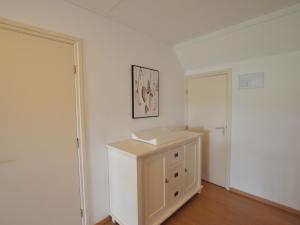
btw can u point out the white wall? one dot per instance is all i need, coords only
(109, 51)
(265, 151)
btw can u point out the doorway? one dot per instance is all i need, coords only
(41, 132)
(208, 110)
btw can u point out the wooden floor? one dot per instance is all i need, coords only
(216, 206)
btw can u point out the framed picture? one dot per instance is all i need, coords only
(145, 92)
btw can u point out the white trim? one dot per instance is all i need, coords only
(244, 25)
(77, 44)
(81, 129)
(229, 126)
(228, 74)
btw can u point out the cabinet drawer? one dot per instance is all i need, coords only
(175, 156)
(175, 175)
(174, 194)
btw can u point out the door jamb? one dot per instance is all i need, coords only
(78, 62)
(228, 74)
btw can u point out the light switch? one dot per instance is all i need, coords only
(251, 80)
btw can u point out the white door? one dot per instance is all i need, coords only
(154, 186)
(190, 166)
(39, 172)
(207, 110)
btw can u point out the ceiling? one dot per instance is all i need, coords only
(175, 21)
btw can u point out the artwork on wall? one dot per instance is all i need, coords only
(145, 92)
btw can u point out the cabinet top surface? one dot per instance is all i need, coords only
(137, 149)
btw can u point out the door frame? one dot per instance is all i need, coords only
(228, 74)
(77, 44)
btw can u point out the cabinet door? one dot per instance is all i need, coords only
(190, 166)
(154, 186)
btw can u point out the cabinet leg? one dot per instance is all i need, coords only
(200, 189)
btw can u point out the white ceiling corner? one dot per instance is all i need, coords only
(100, 7)
(175, 21)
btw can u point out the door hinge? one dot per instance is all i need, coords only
(75, 69)
(77, 142)
(81, 212)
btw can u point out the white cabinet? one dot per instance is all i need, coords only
(149, 183)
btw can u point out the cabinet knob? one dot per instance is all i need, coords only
(176, 193)
(176, 155)
(166, 181)
(176, 174)
(185, 170)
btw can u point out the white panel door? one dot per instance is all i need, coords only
(207, 110)
(190, 166)
(154, 186)
(39, 178)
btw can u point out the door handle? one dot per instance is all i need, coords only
(221, 128)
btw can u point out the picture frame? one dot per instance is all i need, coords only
(145, 92)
